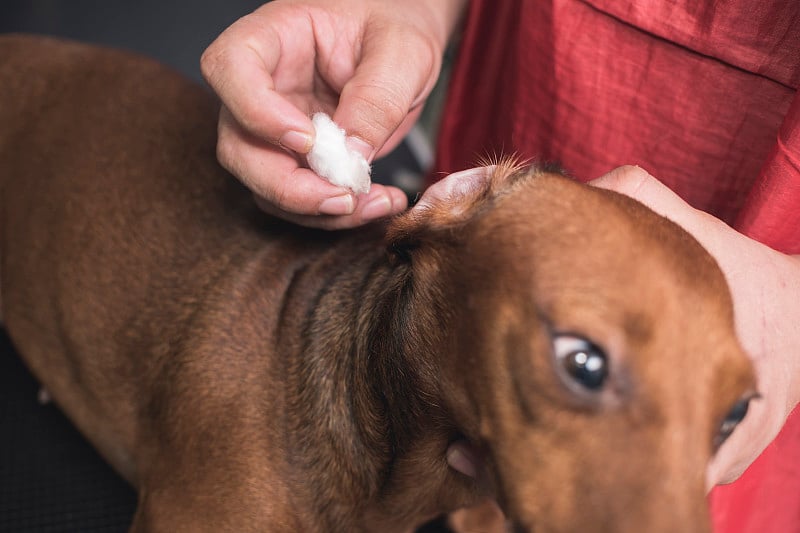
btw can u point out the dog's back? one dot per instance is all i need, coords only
(92, 223)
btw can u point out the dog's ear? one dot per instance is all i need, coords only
(448, 203)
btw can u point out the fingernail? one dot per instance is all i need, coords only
(361, 146)
(338, 205)
(377, 208)
(296, 141)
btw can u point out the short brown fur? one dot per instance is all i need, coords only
(249, 375)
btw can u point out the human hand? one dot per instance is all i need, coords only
(765, 286)
(369, 64)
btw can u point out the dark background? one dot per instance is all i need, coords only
(50, 478)
(175, 32)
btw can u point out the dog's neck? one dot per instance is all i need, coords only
(366, 385)
(377, 377)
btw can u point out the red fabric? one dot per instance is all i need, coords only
(696, 97)
(701, 93)
(766, 499)
(771, 213)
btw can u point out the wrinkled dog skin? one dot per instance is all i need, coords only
(245, 374)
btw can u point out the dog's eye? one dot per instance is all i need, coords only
(582, 362)
(731, 420)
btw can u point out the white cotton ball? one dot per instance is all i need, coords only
(331, 159)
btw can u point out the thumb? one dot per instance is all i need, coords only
(637, 183)
(396, 72)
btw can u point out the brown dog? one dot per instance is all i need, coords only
(249, 375)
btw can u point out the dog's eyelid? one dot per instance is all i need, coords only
(557, 333)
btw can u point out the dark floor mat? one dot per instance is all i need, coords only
(51, 480)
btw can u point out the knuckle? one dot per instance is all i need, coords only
(208, 61)
(225, 157)
(380, 109)
(635, 178)
(277, 191)
(211, 63)
(226, 148)
(278, 195)
(253, 120)
(629, 179)
(234, 156)
(635, 173)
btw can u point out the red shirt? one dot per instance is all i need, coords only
(702, 94)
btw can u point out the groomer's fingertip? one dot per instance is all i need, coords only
(297, 141)
(378, 207)
(399, 199)
(361, 146)
(337, 205)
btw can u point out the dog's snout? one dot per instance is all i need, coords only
(580, 363)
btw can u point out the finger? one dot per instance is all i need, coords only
(637, 183)
(239, 65)
(752, 435)
(275, 175)
(395, 74)
(399, 134)
(380, 202)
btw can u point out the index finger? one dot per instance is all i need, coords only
(274, 174)
(239, 66)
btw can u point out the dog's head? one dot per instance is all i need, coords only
(588, 351)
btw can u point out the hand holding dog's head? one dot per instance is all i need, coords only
(599, 337)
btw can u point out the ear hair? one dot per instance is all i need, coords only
(449, 203)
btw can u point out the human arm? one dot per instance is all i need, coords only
(370, 64)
